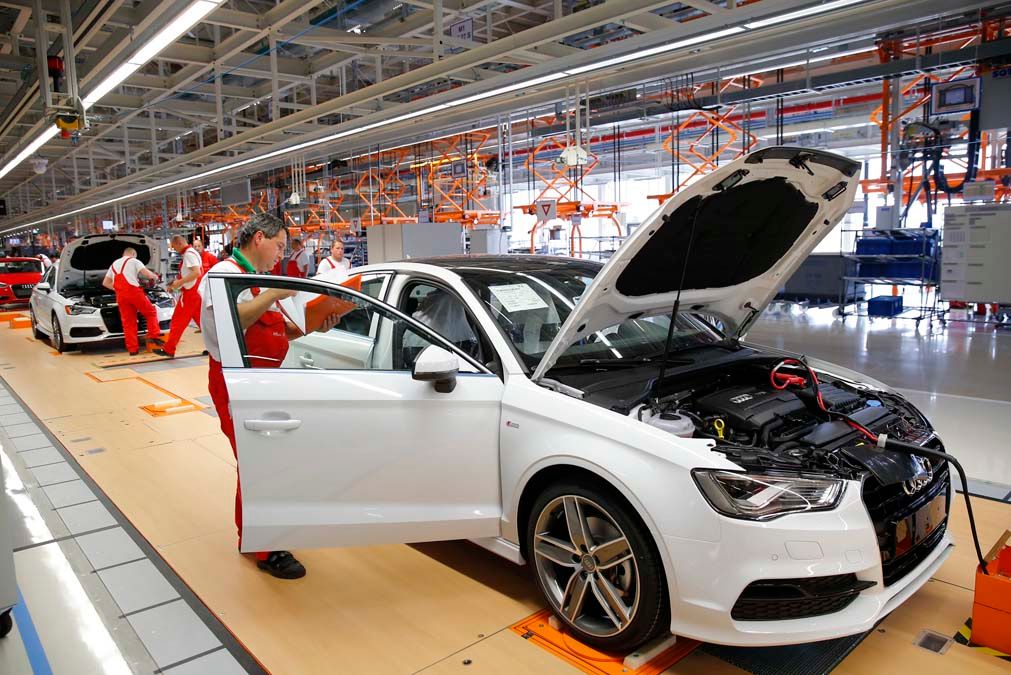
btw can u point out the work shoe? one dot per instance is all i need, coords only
(162, 352)
(282, 564)
(132, 353)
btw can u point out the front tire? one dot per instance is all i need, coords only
(597, 566)
(39, 335)
(59, 344)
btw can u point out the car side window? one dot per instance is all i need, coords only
(359, 320)
(395, 345)
(443, 312)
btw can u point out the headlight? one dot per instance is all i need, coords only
(3, 285)
(80, 309)
(762, 497)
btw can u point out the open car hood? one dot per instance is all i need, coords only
(86, 260)
(755, 220)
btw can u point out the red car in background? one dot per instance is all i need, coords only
(18, 277)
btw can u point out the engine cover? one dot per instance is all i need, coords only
(750, 408)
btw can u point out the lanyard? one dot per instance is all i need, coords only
(241, 260)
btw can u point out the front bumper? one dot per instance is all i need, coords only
(87, 328)
(710, 576)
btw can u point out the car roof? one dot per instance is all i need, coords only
(506, 263)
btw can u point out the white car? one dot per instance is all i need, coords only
(71, 307)
(525, 403)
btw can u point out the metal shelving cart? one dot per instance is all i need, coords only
(908, 257)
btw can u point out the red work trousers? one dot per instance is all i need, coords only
(131, 301)
(219, 396)
(187, 309)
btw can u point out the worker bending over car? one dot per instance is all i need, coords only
(188, 306)
(258, 245)
(123, 278)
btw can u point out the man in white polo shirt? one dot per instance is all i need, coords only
(187, 309)
(334, 261)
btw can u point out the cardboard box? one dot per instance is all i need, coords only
(991, 609)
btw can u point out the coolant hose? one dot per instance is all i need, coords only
(910, 449)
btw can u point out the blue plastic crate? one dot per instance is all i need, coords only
(874, 246)
(914, 246)
(913, 269)
(885, 305)
(873, 269)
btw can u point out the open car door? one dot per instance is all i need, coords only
(397, 443)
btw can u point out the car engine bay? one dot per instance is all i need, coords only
(764, 413)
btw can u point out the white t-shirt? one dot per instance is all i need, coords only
(191, 260)
(207, 313)
(46, 262)
(301, 258)
(128, 267)
(328, 265)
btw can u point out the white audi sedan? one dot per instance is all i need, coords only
(657, 475)
(71, 307)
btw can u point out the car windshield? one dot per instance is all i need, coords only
(530, 307)
(19, 266)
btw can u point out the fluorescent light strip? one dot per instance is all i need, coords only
(801, 13)
(646, 53)
(30, 149)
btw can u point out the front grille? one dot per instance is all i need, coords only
(85, 331)
(22, 290)
(889, 504)
(110, 315)
(781, 599)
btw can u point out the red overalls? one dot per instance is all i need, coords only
(187, 309)
(208, 260)
(131, 300)
(293, 270)
(266, 346)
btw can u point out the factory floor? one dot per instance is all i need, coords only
(126, 555)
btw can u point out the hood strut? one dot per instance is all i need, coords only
(677, 300)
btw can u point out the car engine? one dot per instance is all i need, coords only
(767, 415)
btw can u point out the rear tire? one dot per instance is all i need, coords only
(605, 580)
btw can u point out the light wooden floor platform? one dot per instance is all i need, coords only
(393, 609)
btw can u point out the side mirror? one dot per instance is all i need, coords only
(43, 286)
(437, 365)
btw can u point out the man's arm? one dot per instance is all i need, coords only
(109, 282)
(251, 311)
(192, 275)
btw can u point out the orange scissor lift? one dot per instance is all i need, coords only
(563, 184)
(460, 197)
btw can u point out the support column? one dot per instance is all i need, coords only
(894, 139)
(275, 103)
(69, 52)
(437, 30)
(41, 52)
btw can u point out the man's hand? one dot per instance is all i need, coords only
(280, 294)
(174, 285)
(329, 323)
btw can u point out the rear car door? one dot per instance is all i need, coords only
(359, 452)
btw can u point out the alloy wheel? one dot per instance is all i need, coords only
(57, 334)
(586, 566)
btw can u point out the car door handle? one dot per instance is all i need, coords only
(306, 360)
(272, 425)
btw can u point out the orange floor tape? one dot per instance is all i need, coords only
(537, 630)
(7, 316)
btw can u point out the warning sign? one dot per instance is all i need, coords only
(546, 209)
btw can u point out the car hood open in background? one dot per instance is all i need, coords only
(90, 256)
(755, 220)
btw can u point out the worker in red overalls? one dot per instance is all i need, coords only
(191, 268)
(258, 245)
(208, 259)
(298, 264)
(124, 277)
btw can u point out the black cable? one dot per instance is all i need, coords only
(899, 446)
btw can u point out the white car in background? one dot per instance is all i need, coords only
(71, 307)
(656, 477)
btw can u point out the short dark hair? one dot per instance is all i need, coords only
(261, 222)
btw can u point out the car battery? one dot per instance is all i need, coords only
(885, 305)
(991, 607)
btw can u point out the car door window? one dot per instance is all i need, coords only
(359, 321)
(394, 345)
(445, 313)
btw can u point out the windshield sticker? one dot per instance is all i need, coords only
(517, 297)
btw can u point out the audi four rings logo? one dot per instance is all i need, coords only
(926, 474)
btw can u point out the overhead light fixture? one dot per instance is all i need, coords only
(206, 6)
(190, 16)
(30, 149)
(801, 13)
